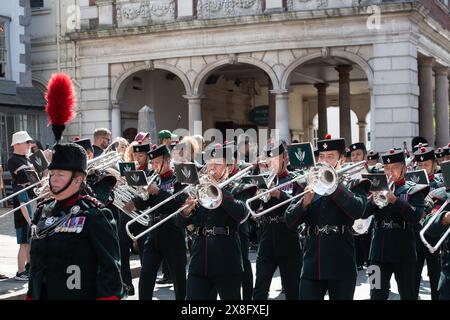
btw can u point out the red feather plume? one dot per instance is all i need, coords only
(61, 100)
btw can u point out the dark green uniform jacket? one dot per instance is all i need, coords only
(434, 233)
(80, 259)
(397, 244)
(330, 256)
(276, 239)
(168, 235)
(215, 255)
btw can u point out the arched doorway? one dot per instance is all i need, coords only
(237, 96)
(318, 82)
(159, 89)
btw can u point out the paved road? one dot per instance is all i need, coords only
(8, 264)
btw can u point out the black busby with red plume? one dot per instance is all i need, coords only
(60, 106)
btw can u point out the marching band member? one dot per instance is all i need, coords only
(74, 248)
(329, 258)
(436, 231)
(362, 241)
(141, 158)
(243, 192)
(393, 247)
(279, 246)
(167, 241)
(447, 152)
(426, 160)
(216, 261)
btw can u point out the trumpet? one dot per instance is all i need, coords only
(208, 194)
(322, 179)
(380, 197)
(433, 249)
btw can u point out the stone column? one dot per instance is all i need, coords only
(195, 114)
(282, 114)
(345, 130)
(426, 99)
(322, 109)
(442, 125)
(116, 120)
(362, 131)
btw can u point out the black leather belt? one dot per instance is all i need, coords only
(276, 219)
(326, 229)
(383, 224)
(213, 231)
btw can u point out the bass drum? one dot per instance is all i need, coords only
(361, 226)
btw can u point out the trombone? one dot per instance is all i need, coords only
(23, 190)
(323, 180)
(433, 249)
(208, 193)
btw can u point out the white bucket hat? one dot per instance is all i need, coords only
(20, 137)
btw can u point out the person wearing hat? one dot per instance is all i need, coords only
(167, 242)
(75, 250)
(329, 258)
(418, 142)
(87, 146)
(373, 157)
(17, 164)
(165, 137)
(426, 160)
(362, 241)
(447, 152)
(144, 137)
(216, 259)
(440, 156)
(437, 229)
(393, 246)
(140, 155)
(243, 192)
(279, 246)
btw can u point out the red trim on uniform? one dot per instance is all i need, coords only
(70, 201)
(109, 298)
(400, 182)
(284, 174)
(143, 167)
(167, 174)
(431, 177)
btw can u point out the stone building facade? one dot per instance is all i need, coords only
(215, 60)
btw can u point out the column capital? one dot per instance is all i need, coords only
(441, 71)
(193, 96)
(115, 104)
(321, 86)
(361, 123)
(279, 91)
(344, 69)
(425, 61)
